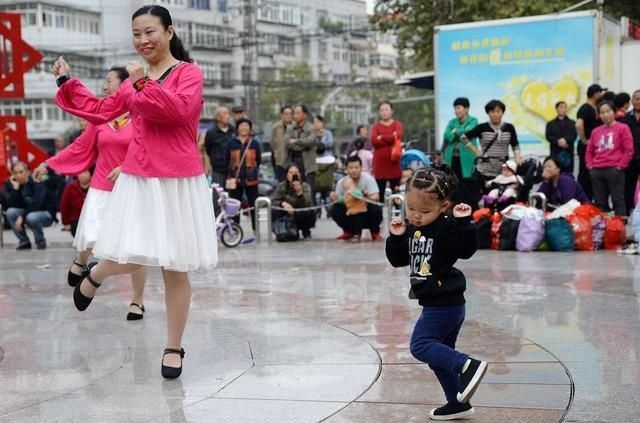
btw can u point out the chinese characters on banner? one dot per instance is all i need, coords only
(529, 65)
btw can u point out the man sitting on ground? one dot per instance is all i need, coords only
(28, 204)
(366, 190)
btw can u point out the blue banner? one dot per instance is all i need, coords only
(527, 65)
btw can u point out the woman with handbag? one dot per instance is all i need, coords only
(495, 136)
(292, 194)
(386, 137)
(243, 166)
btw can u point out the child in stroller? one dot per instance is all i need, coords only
(505, 186)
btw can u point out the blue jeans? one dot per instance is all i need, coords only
(635, 223)
(433, 342)
(35, 220)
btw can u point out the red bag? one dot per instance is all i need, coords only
(480, 213)
(495, 230)
(588, 210)
(396, 150)
(615, 234)
(583, 231)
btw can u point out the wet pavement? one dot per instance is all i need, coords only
(319, 330)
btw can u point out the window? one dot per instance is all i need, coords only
(180, 3)
(286, 46)
(211, 71)
(322, 50)
(225, 75)
(269, 44)
(203, 35)
(199, 4)
(276, 12)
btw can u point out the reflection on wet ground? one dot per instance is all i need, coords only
(320, 330)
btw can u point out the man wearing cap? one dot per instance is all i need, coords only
(238, 113)
(587, 120)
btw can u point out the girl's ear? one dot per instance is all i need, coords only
(446, 206)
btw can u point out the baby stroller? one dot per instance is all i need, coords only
(225, 207)
(414, 159)
(531, 172)
(528, 174)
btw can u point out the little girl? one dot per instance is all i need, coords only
(431, 243)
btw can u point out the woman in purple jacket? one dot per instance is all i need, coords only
(558, 186)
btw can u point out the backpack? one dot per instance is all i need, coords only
(285, 229)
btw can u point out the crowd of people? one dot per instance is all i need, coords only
(303, 148)
(605, 135)
(140, 196)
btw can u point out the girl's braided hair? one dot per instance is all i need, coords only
(438, 180)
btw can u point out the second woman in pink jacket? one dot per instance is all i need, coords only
(103, 146)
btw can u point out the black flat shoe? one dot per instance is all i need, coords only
(79, 299)
(136, 316)
(72, 278)
(172, 372)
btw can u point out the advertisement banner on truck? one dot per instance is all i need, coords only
(529, 65)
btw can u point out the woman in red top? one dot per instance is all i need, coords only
(383, 135)
(73, 199)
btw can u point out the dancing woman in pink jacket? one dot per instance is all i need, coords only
(103, 146)
(160, 212)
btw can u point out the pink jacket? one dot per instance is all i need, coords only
(101, 145)
(165, 120)
(610, 146)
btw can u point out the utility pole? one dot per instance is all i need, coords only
(250, 67)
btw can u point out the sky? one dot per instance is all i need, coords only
(370, 4)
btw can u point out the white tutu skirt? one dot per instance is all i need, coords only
(166, 222)
(91, 218)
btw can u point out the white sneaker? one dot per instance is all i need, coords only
(630, 248)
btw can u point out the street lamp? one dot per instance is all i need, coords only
(335, 92)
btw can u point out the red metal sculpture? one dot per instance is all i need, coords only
(16, 58)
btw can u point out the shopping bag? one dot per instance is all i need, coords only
(508, 234)
(560, 235)
(583, 232)
(615, 234)
(483, 228)
(530, 234)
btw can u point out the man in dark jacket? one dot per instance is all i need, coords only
(216, 141)
(561, 134)
(28, 202)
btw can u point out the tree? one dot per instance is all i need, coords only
(413, 20)
(293, 87)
